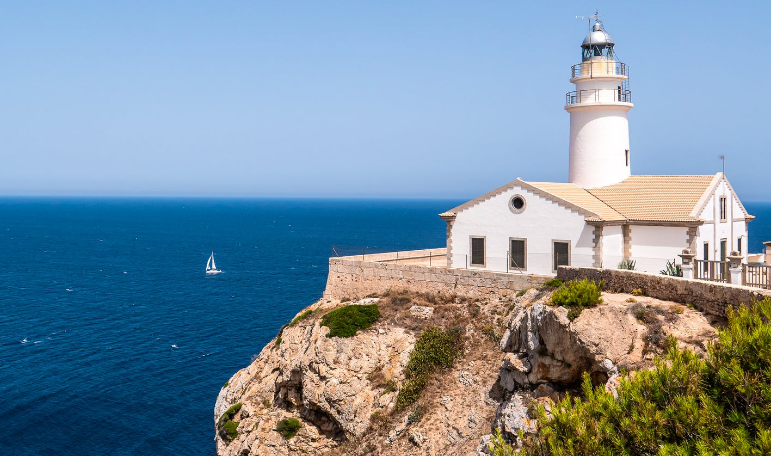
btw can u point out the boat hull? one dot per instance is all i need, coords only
(213, 271)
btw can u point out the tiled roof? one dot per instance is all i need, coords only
(579, 197)
(637, 198)
(656, 198)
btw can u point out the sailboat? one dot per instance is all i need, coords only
(210, 267)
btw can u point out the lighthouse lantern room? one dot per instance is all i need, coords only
(599, 144)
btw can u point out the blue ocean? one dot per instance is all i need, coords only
(114, 342)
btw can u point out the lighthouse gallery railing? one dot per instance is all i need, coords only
(598, 96)
(599, 68)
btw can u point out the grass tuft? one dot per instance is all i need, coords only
(346, 321)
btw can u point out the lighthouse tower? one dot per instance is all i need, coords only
(599, 147)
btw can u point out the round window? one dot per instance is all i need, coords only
(517, 204)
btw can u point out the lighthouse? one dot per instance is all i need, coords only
(599, 144)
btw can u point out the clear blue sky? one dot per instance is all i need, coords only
(363, 99)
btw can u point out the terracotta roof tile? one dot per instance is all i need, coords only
(656, 198)
(637, 198)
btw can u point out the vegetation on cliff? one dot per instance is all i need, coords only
(577, 295)
(346, 321)
(434, 349)
(226, 427)
(685, 405)
(288, 427)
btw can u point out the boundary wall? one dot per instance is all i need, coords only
(352, 278)
(709, 297)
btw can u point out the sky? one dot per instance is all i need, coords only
(431, 99)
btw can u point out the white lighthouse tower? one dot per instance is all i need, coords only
(599, 147)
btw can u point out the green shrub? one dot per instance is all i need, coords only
(434, 349)
(346, 321)
(554, 283)
(637, 292)
(226, 427)
(498, 446)
(684, 406)
(576, 296)
(627, 264)
(229, 429)
(288, 427)
(521, 293)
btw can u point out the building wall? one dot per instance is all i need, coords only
(652, 246)
(349, 278)
(714, 230)
(613, 246)
(540, 223)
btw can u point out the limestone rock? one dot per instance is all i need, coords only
(544, 346)
(512, 417)
(422, 312)
(322, 381)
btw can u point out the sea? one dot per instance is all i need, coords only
(113, 341)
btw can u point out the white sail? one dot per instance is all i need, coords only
(211, 268)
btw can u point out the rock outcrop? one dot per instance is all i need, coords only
(542, 345)
(343, 390)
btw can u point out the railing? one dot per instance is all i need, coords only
(757, 275)
(427, 257)
(598, 68)
(714, 271)
(598, 96)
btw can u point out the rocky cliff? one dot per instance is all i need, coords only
(516, 351)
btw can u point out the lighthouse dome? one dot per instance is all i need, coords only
(598, 36)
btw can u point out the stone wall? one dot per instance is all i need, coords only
(350, 278)
(709, 297)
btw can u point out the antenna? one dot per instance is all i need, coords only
(589, 19)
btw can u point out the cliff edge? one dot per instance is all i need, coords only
(307, 393)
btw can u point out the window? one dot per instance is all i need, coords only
(722, 208)
(560, 254)
(478, 251)
(740, 245)
(723, 250)
(706, 251)
(627, 157)
(619, 93)
(517, 204)
(517, 254)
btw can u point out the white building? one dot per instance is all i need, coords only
(603, 215)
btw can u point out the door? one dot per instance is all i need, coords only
(560, 254)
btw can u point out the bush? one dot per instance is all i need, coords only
(229, 430)
(685, 405)
(576, 296)
(554, 283)
(434, 349)
(521, 293)
(226, 427)
(346, 321)
(627, 264)
(637, 292)
(288, 427)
